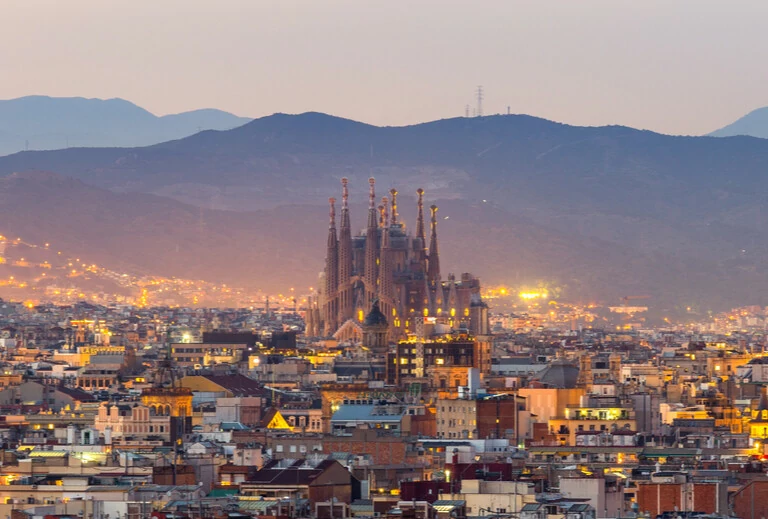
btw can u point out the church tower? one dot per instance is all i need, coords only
(385, 268)
(346, 302)
(421, 237)
(331, 310)
(371, 247)
(386, 263)
(376, 331)
(433, 272)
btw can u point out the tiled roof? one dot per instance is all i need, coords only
(238, 385)
(77, 394)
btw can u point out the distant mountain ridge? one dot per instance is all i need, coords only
(45, 123)
(754, 124)
(606, 211)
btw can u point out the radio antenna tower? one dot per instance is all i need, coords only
(479, 111)
(466, 111)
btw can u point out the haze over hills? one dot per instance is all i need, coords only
(41, 123)
(275, 249)
(604, 211)
(754, 124)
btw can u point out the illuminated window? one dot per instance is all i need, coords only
(403, 360)
(453, 312)
(440, 361)
(426, 312)
(360, 315)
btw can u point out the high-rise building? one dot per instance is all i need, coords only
(400, 270)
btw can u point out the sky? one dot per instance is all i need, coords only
(673, 66)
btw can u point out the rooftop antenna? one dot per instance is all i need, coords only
(466, 111)
(479, 101)
(509, 112)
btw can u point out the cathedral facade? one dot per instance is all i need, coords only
(386, 263)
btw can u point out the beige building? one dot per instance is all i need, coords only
(589, 418)
(549, 403)
(486, 498)
(456, 418)
(134, 421)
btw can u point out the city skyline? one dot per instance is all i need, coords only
(649, 65)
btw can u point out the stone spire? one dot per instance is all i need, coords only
(371, 245)
(331, 271)
(382, 220)
(385, 269)
(393, 192)
(433, 270)
(420, 230)
(421, 237)
(345, 255)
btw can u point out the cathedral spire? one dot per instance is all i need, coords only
(331, 272)
(433, 269)
(393, 192)
(385, 210)
(421, 238)
(332, 223)
(420, 232)
(385, 269)
(344, 203)
(346, 304)
(371, 245)
(372, 202)
(382, 219)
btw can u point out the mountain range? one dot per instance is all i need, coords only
(42, 123)
(601, 212)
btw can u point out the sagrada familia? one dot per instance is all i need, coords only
(388, 271)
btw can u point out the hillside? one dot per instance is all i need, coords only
(44, 123)
(754, 124)
(605, 211)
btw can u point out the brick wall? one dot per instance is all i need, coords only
(656, 498)
(751, 501)
(381, 450)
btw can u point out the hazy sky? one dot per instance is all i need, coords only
(685, 66)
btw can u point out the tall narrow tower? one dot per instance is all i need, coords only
(330, 310)
(421, 253)
(346, 304)
(394, 215)
(385, 267)
(480, 96)
(433, 272)
(371, 246)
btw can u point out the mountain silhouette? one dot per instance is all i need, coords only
(41, 123)
(754, 124)
(605, 211)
